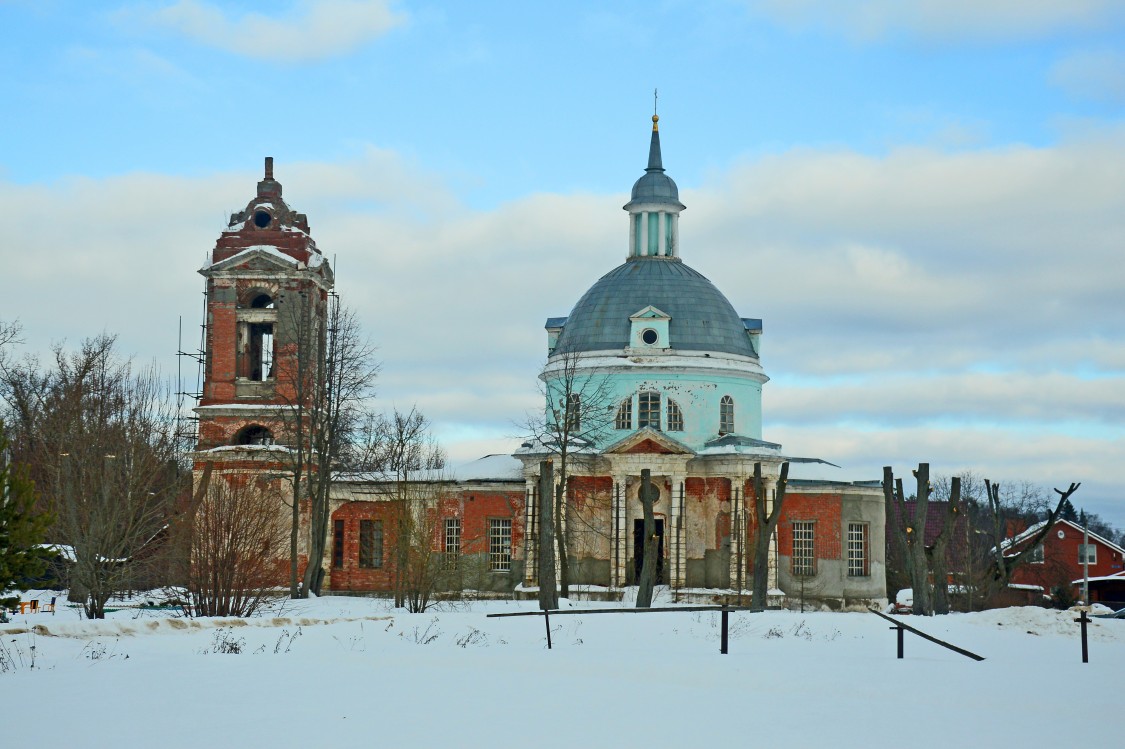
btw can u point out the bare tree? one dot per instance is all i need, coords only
(100, 442)
(405, 448)
(233, 535)
(327, 376)
(766, 526)
(578, 415)
(648, 494)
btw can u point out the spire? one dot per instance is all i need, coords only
(654, 162)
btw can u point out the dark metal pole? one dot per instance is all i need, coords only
(547, 620)
(1083, 620)
(723, 644)
(901, 633)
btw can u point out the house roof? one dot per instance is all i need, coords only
(1019, 538)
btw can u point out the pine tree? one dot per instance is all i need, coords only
(21, 528)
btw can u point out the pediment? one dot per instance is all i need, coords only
(650, 313)
(260, 258)
(648, 441)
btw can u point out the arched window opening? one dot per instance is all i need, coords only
(624, 418)
(255, 434)
(574, 412)
(262, 301)
(648, 412)
(726, 415)
(675, 417)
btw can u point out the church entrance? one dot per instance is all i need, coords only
(639, 549)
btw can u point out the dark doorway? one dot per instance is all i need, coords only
(639, 549)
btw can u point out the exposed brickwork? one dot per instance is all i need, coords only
(824, 511)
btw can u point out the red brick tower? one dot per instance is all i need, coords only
(267, 300)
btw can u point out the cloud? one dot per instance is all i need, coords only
(942, 20)
(1098, 75)
(311, 30)
(961, 308)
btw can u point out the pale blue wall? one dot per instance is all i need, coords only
(698, 395)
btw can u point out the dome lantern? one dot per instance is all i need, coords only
(654, 208)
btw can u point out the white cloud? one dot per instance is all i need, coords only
(959, 308)
(943, 20)
(1093, 74)
(311, 30)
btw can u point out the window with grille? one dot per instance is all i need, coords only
(726, 415)
(648, 411)
(500, 544)
(370, 543)
(1087, 553)
(804, 551)
(624, 418)
(1036, 555)
(857, 550)
(675, 417)
(338, 543)
(452, 542)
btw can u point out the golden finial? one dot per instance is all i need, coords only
(655, 119)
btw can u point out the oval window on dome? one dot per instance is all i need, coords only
(649, 336)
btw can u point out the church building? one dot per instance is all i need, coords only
(652, 369)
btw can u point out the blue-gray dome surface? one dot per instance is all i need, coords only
(702, 318)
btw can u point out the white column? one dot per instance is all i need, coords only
(616, 540)
(773, 540)
(632, 236)
(675, 248)
(678, 535)
(737, 536)
(531, 535)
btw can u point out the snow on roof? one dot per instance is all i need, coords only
(495, 466)
(1021, 537)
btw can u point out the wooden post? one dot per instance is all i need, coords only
(547, 621)
(901, 637)
(1083, 620)
(723, 642)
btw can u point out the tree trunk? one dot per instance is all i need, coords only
(559, 496)
(648, 495)
(916, 542)
(767, 524)
(548, 592)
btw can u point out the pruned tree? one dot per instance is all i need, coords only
(939, 555)
(1003, 565)
(766, 526)
(22, 527)
(548, 590)
(99, 440)
(233, 535)
(577, 417)
(648, 494)
(909, 533)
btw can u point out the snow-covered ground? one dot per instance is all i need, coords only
(344, 672)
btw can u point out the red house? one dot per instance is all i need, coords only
(1058, 560)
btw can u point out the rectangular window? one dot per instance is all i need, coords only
(1036, 555)
(648, 412)
(804, 550)
(370, 543)
(500, 544)
(452, 542)
(338, 544)
(1087, 553)
(857, 550)
(574, 412)
(675, 417)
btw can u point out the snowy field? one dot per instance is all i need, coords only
(350, 672)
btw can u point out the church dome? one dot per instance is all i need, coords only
(701, 317)
(654, 186)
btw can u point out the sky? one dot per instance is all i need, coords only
(922, 199)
